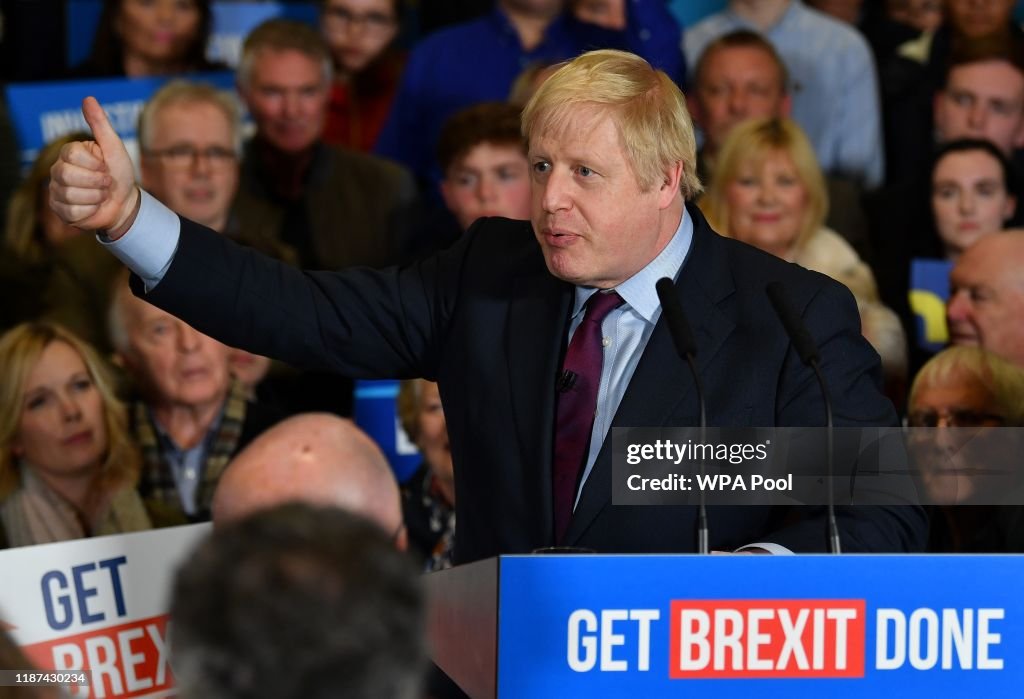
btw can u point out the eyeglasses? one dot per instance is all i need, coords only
(371, 22)
(953, 417)
(184, 156)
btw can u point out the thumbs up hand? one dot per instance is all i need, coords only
(92, 184)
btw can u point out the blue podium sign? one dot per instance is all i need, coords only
(731, 626)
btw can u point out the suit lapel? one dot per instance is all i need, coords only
(537, 320)
(661, 388)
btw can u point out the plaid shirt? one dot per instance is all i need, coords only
(157, 480)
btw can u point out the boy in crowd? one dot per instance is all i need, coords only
(483, 158)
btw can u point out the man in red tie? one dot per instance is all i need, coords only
(536, 358)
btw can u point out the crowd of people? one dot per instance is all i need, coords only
(850, 138)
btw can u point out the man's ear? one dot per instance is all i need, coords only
(693, 105)
(1018, 140)
(446, 194)
(146, 165)
(242, 89)
(786, 106)
(119, 359)
(1010, 208)
(669, 188)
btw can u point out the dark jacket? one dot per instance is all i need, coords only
(488, 322)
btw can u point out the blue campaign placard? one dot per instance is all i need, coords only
(232, 22)
(739, 626)
(42, 112)
(929, 292)
(376, 414)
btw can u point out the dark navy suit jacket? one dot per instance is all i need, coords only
(488, 322)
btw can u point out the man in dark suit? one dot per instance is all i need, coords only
(294, 188)
(612, 157)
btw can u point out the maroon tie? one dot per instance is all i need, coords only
(577, 402)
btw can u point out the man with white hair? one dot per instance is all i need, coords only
(294, 187)
(189, 145)
(191, 418)
(986, 303)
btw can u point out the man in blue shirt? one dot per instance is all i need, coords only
(543, 335)
(478, 61)
(833, 81)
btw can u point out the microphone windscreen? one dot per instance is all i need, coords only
(678, 326)
(802, 341)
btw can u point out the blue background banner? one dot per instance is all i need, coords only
(42, 112)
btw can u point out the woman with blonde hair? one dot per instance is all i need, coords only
(769, 192)
(68, 467)
(32, 231)
(428, 496)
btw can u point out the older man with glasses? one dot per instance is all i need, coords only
(189, 140)
(966, 410)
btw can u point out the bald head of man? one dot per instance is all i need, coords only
(315, 458)
(986, 303)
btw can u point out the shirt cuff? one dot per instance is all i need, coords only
(149, 245)
(774, 549)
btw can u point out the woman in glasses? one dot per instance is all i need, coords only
(966, 464)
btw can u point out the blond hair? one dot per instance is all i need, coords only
(882, 328)
(1003, 379)
(184, 92)
(756, 140)
(20, 350)
(23, 232)
(648, 109)
(407, 405)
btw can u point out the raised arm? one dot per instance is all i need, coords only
(92, 184)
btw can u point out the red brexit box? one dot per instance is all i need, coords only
(128, 660)
(766, 638)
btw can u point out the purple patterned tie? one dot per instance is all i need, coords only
(577, 404)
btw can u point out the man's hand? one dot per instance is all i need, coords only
(92, 184)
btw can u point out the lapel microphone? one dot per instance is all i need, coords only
(565, 381)
(686, 346)
(807, 350)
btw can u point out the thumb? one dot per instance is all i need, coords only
(107, 139)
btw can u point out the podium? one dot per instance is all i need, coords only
(731, 626)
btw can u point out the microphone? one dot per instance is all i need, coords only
(807, 350)
(565, 381)
(686, 346)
